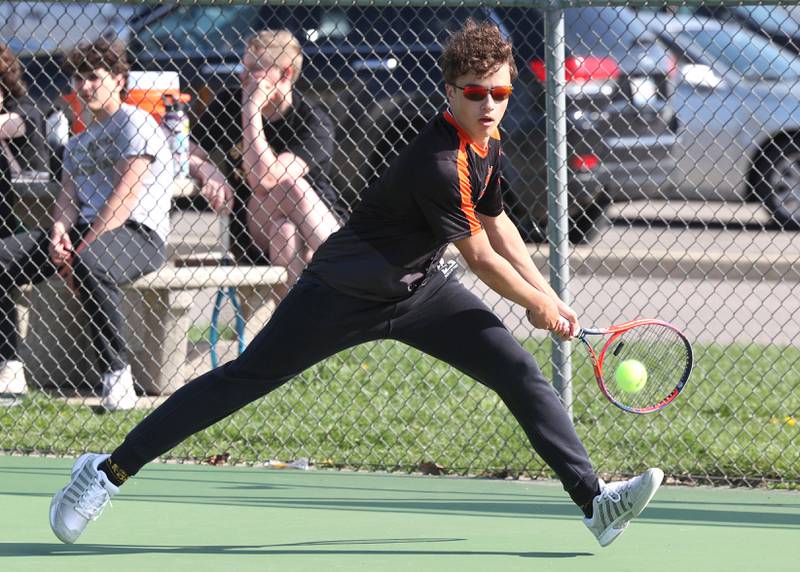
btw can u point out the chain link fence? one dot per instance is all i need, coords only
(682, 157)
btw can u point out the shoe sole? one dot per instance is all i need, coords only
(655, 477)
(126, 404)
(76, 468)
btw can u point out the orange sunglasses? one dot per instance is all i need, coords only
(479, 92)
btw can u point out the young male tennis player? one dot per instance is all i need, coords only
(380, 277)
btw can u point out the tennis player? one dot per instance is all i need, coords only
(381, 277)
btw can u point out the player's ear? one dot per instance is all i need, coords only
(449, 92)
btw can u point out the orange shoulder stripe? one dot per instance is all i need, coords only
(465, 188)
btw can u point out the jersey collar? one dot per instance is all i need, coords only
(481, 151)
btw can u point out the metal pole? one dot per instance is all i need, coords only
(557, 219)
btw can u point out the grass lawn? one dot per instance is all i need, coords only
(386, 406)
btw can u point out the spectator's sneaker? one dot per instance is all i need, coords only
(619, 503)
(118, 392)
(82, 500)
(12, 378)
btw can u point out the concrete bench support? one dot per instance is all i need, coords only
(56, 349)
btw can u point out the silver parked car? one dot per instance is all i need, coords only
(737, 103)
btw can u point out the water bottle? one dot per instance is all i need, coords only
(56, 128)
(56, 134)
(176, 123)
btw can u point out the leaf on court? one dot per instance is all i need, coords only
(431, 468)
(217, 460)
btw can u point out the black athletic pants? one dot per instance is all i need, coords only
(117, 257)
(314, 321)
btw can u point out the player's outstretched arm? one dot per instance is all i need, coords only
(498, 273)
(507, 242)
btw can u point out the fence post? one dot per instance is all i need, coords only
(557, 219)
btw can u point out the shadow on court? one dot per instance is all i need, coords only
(11, 549)
(694, 513)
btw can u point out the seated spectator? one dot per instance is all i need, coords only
(20, 136)
(111, 220)
(279, 148)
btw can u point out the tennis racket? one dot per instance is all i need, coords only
(660, 347)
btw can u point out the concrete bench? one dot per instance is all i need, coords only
(37, 194)
(56, 346)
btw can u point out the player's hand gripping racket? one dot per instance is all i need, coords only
(642, 366)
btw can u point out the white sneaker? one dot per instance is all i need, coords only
(12, 378)
(82, 500)
(619, 503)
(118, 392)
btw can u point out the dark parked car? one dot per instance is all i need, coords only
(376, 70)
(620, 126)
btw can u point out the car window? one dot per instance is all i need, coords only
(749, 55)
(587, 31)
(370, 25)
(771, 18)
(208, 30)
(600, 31)
(192, 30)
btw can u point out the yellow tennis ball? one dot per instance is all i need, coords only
(631, 376)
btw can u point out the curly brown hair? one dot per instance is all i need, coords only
(11, 73)
(104, 53)
(478, 47)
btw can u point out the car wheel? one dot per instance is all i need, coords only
(588, 220)
(779, 188)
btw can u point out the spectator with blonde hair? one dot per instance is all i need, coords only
(278, 147)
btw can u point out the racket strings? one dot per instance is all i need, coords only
(661, 350)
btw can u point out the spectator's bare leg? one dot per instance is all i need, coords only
(281, 240)
(290, 223)
(300, 203)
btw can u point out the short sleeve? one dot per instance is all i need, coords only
(445, 199)
(315, 141)
(141, 136)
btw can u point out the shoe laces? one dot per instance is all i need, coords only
(609, 494)
(93, 500)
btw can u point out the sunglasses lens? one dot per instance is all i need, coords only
(501, 93)
(475, 92)
(479, 93)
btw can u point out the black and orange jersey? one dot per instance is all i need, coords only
(427, 198)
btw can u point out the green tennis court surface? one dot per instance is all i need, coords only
(187, 517)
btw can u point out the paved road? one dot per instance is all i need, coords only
(710, 268)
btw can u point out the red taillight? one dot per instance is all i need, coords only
(581, 69)
(584, 162)
(537, 67)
